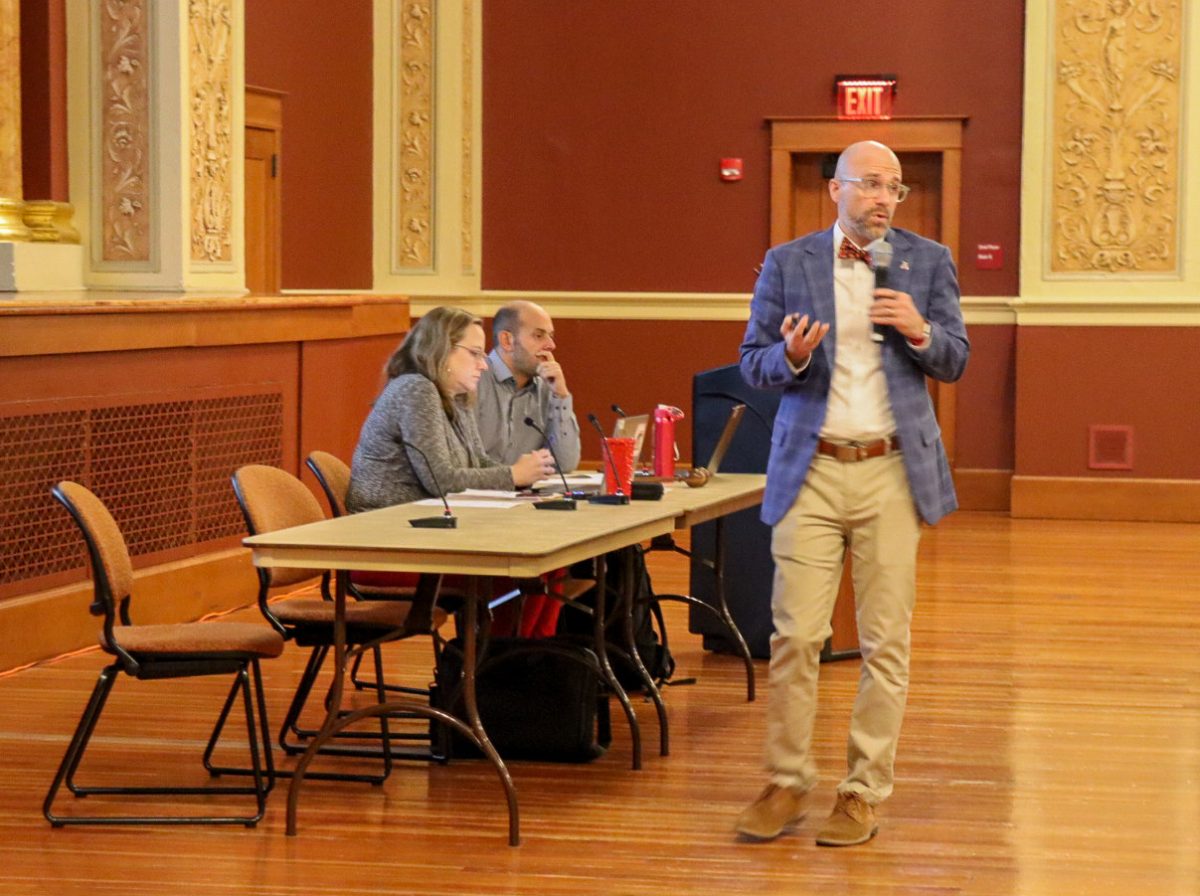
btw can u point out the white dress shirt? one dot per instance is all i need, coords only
(858, 406)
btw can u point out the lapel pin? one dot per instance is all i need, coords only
(904, 265)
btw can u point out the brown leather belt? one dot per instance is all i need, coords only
(856, 451)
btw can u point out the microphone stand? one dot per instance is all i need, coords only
(567, 501)
(618, 497)
(447, 520)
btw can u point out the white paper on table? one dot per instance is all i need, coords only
(456, 501)
(577, 480)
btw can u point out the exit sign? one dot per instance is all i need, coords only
(865, 97)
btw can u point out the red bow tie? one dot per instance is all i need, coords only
(849, 250)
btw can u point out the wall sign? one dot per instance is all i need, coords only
(865, 97)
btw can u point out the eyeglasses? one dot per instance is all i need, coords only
(477, 353)
(872, 186)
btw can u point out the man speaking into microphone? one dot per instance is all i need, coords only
(856, 464)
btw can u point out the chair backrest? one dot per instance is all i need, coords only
(112, 570)
(333, 475)
(273, 499)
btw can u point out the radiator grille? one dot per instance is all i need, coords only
(162, 468)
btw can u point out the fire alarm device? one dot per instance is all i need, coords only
(731, 169)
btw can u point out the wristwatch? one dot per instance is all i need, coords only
(926, 335)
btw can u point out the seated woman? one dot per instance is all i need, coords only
(421, 439)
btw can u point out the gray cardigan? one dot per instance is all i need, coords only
(384, 472)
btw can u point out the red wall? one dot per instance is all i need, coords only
(319, 54)
(986, 400)
(604, 123)
(44, 100)
(1070, 377)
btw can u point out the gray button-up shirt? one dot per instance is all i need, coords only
(502, 409)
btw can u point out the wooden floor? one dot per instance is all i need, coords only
(1052, 747)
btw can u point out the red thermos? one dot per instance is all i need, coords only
(664, 439)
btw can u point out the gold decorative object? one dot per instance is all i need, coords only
(125, 127)
(1116, 144)
(50, 221)
(468, 124)
(211, 117)
(12, 227)
(415, 177)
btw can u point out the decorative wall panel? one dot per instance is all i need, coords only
(415, 122)
(126, 204)
(468, 135)
(10, 100)
(1115, 205)
(210, 45)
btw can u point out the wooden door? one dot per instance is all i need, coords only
(264, 224)
(804, 156)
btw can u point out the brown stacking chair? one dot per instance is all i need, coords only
(273, 499)
(333, 475)
(149, 652)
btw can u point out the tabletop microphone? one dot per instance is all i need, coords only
(881, 260)
(618, 496)
(616, 409)
(567, 501)
(448, 520)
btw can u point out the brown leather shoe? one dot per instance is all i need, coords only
(852, 822)
(775, 808)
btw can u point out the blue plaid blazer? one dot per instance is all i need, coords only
(798, 277)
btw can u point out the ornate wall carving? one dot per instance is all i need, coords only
(10, 100)
(468, 134)
(1116, 145)
(210, 44)
(414, 178)
(125, 131)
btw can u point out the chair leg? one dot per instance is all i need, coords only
(358, 683)
(290, 722)
(261, 788)
(79, 741)
(213, 738)
(263, 775)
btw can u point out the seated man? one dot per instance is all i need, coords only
(524, 380)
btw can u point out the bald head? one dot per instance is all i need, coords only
(856, 155)
(865, 207)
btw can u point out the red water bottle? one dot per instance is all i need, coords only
(664, 439)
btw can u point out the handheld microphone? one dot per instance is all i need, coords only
(618, 497)
(448, 520)
(881, 260)
(616, 409)
(567, 501)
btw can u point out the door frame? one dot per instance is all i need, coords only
(264, 112)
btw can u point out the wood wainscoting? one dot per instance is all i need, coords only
(153, 402)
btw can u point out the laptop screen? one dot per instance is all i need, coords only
(633, 428)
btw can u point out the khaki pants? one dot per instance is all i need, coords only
(868, 506)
